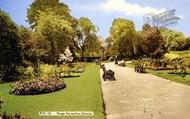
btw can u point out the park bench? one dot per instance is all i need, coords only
(140, 69)
(107, 74)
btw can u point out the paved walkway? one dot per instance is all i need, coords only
(144, 96)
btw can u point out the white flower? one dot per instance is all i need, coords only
(67, 56)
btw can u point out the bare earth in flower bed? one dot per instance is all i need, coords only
(37, 86)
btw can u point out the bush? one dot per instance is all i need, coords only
(66, 71)
(5, 115)
(37, 86)
(79, 68)
(47, 71)
(1, 103)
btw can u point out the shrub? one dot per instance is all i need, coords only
(5, 115)
(37, 86)
(47, 71)
(26, 73)
(1, 102)
(65, 69)
(44, 71)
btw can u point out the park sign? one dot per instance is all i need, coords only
(164, 19)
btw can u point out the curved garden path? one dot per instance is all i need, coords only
(143, 96)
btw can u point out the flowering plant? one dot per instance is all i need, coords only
(66, 57)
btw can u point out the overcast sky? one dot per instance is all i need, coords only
(103, 12)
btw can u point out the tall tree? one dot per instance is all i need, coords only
(44, 6)
(86, 32)
(138, 49)
(123, 32)
(173, 40)
(9, 48)
(58, 33)
(93, 45)
(186, 45)
(52, 20)
(26, 46)
(152, 39)
(111, 46)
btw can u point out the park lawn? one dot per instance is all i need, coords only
(179, 78)
(81, 94)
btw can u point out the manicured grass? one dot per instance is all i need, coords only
(179, 78)
(82, 94)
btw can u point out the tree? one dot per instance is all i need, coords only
(58, 33)
(93, 45)
(85, 33)
(52, 20)
(111, 46)
(38, 48)
(102, 46)
(123, 32)
(25, 35)
(186, 45)
(138, 49)
(152, 40)
(173, 40)
(10, 51)
(58, 8)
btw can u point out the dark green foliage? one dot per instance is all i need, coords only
(29, 57)
(186, 45)
(10, 56)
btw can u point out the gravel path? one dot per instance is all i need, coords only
(144, 96)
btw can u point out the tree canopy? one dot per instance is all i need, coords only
(152, 39)
(173, 40)
(58, 8)
(86, 34)
(124, 36)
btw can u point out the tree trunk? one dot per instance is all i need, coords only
(82, 52)
(53, 52)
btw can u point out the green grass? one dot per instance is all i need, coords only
(82, 94)
(179, 78)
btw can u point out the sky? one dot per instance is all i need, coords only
(103, 12)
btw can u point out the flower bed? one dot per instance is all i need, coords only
(159, 68)
(5, 115)
(37, 86)
(68, 75)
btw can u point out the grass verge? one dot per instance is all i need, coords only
(179, 78)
